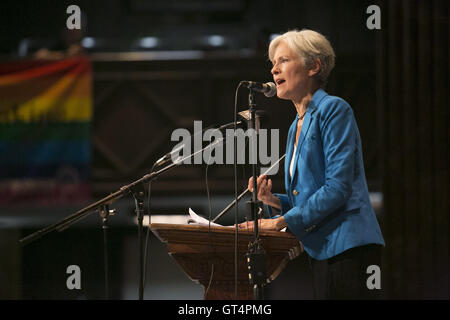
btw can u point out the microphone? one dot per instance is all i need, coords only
(168, 156)
(269, 89)
(230, 125)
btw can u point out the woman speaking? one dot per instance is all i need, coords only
(326, 204)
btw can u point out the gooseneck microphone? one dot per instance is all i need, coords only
(269, 89)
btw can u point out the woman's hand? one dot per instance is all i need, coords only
(265, 224)
(265, 195)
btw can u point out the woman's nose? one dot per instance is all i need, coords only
(275, 70)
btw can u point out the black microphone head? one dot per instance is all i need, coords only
(271, 89)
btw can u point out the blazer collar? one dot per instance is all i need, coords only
(315, 101)
(312, 106)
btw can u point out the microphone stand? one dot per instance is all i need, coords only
(139, 204)
(255, 253)
(105, 212)
(103, 207)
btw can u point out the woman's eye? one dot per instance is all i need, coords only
(280, 61)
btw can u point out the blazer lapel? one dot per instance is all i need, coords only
(318, 96)
(301, 139)
(289, 151)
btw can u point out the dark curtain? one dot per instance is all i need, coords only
(413, 89)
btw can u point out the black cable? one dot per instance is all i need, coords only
(211, 243)
(236, 234)
(210, 280)
(209, 203)
(149, 215)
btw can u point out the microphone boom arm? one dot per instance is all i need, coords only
(65, 223)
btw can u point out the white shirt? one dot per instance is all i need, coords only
(291, 166)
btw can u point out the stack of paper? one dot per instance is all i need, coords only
(195, 218)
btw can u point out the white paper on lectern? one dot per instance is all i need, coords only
(195, 218)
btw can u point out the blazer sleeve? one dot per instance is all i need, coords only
(285, 206)
(338, 133)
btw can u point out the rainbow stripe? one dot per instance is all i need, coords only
(45, 118)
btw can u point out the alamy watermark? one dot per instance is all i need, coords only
(74, 280)
(374, 20)
(74, 20)
(374, 280)
(220, 149)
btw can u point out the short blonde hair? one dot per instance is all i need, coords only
(310, 46)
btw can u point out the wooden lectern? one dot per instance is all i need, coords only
(200, 251)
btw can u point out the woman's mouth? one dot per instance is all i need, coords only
(280, 82)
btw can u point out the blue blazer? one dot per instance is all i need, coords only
(327, 205)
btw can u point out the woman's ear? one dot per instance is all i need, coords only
(315, 69)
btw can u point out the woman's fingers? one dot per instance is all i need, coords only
(261, 180)
(262, 188)
(264, 185)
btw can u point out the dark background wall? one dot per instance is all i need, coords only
(414, 105)
(396, 80)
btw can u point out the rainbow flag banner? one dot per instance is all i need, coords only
(45, 118)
